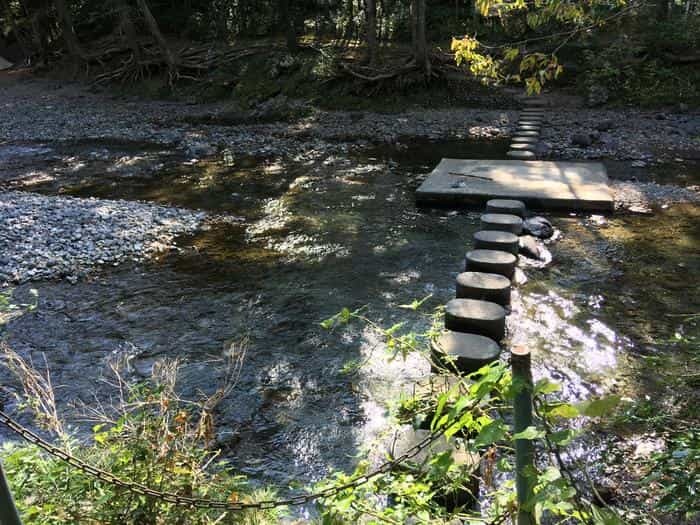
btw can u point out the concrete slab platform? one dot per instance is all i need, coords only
(563, 186)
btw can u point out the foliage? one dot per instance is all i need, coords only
(636, 68)
(472, 414)
(153, 438)
(677, 471)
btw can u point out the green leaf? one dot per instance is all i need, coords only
(415, 304)
(530, 432)
(562, 437)
(565, 411)
(493, 432)
(599, 407)
(545, 386)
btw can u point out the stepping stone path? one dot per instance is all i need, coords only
(529, 127)
(475, 319)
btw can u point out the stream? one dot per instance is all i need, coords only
(291, 242)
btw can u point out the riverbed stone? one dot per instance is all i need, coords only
(502, 222)
(539, 227)
(476, 317)
(528, 246)
(464, 353)
(484, 287)
(491, 261)
(507, 206)
(496, 240)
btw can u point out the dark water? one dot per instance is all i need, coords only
(310, 238)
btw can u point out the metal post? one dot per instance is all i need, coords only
(524, 450)
(8, 511)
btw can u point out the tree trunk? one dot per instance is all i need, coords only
(371, 22)
(127, 25)
(420, 44)
(65, 20)
(155, 31)
(287, 24)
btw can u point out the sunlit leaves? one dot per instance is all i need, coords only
(491, 433)
(599, 407)
(530, 433)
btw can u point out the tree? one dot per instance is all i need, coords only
(371, 23)
(65, 20)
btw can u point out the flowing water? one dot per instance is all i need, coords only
(308, 238)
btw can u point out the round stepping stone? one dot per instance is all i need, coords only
(491, 261)
(527, 127)
(527, 133)
(526, 147)
(533, 123)
(521, 155)
(496, 240)
(525, 140)
(532, 114)
(465, 352)
(504, 222)
(508, 206)
(484, 287)
(476, 317)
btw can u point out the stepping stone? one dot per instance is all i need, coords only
(447, 494)
(534, 103)
(530, 122)
(484, 287)
(496, 240)
(408, 437)
(532, 115)
(491, 261)
(549, 185)
(502, 222)
(528, 127)
(525, 147)
(526, 133)
(521, 155)
(466, 353)
(476, 317)
(525, 140)
(509, 206)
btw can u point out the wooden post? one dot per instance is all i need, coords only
(522, 418)
(8, 511)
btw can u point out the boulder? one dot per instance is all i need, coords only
(538, 227)
(581, 140)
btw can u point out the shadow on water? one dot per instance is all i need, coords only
(311, 238)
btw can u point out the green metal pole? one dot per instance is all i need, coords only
(8, 511)
(522, 418)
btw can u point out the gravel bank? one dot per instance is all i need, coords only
(69, 112)
(48, 237)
